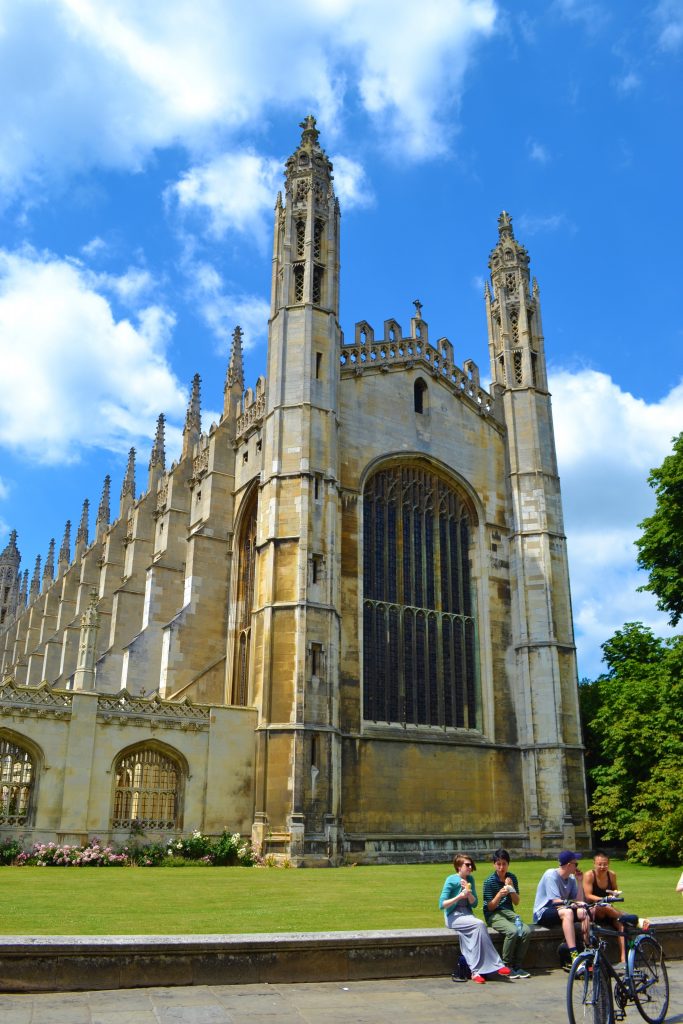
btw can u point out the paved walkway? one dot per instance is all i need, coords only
(539, 1000)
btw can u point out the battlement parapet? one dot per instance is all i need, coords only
(252, 409)
(398, 352)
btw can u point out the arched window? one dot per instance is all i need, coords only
(419, 626)
(245, 602)
(148, 790)
(17, 775)
(420, 395)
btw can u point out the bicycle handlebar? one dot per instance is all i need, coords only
(604, 902)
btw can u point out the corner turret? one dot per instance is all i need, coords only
(513, 314)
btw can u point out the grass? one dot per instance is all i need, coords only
(148, 901)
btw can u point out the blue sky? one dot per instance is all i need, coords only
(141, 149)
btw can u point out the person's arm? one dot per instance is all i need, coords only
(588, 880)
(472, 895)
(452, 892)
(492, 903)
(552, 890)
(578, 880)
(514, 893)
(679, 886)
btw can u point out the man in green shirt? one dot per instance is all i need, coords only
(501, 896)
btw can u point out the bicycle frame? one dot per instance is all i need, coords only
(593, 980)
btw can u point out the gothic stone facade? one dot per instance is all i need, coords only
(341, 622)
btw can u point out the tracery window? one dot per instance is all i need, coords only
(317, 239)
(17, 774)
(147, 791)
(245, 602)
(419, 626)
(300, 236)
(298, 282)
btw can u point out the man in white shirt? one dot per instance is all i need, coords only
(557, 885)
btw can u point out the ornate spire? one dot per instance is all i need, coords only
(193, 417)
(514, 316)
(23, 593)
(9, 580)
(84, 676)
(49, 570)
(235, 374)
(309, 133)
(128, 485)
(10, 555)
(35, 580)
(103, 510)
(157, 458)
(65, 549)
(82, 534)
(505, 225)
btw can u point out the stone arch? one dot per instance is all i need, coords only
(419, 605)
(20, 762)
(392, 332)
(149, 787)
(365, 335)
(421, 396)
(244, 578)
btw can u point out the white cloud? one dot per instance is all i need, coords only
(350, 184)
(94, 247)
(538, 152)
(668, 17)
(87, 379)
(233, 192)
(221, 310)
(104, 82)
(593, 16)
(628, 83)
(607, 442)
(532, 224)
(411, 63)
(4, 489)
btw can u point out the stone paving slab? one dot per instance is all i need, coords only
(538, 1000)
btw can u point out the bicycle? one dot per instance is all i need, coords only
(590, 997)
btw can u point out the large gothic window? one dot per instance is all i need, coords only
(419, 627)
(245, 603)
(148, 789)
(17, 775)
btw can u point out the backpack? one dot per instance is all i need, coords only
(462, 971)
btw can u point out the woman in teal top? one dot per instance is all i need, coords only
(458, 897)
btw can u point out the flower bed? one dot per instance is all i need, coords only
(228, 849)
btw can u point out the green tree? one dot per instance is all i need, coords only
(634, 731)
(660, 549)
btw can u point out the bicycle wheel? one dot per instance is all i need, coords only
(589, 999)
(649, 980)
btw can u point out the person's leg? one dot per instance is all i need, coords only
(566, 915)
(504, 922)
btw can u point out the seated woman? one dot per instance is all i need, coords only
(457, 899)
(601, 882)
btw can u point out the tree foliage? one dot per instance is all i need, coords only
(634, 734)
(660, 549)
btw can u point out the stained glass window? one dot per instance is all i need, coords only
(147, 793)
(245, 602)
(17, 774)
(419, 629)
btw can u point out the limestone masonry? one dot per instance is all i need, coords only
(341, 622)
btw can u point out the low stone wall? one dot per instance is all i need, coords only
(64, 964)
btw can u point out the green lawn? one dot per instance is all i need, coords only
(138, 901)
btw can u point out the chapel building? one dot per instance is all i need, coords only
(341, 622)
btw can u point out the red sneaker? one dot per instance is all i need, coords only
(504, 971)
(479, 978)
